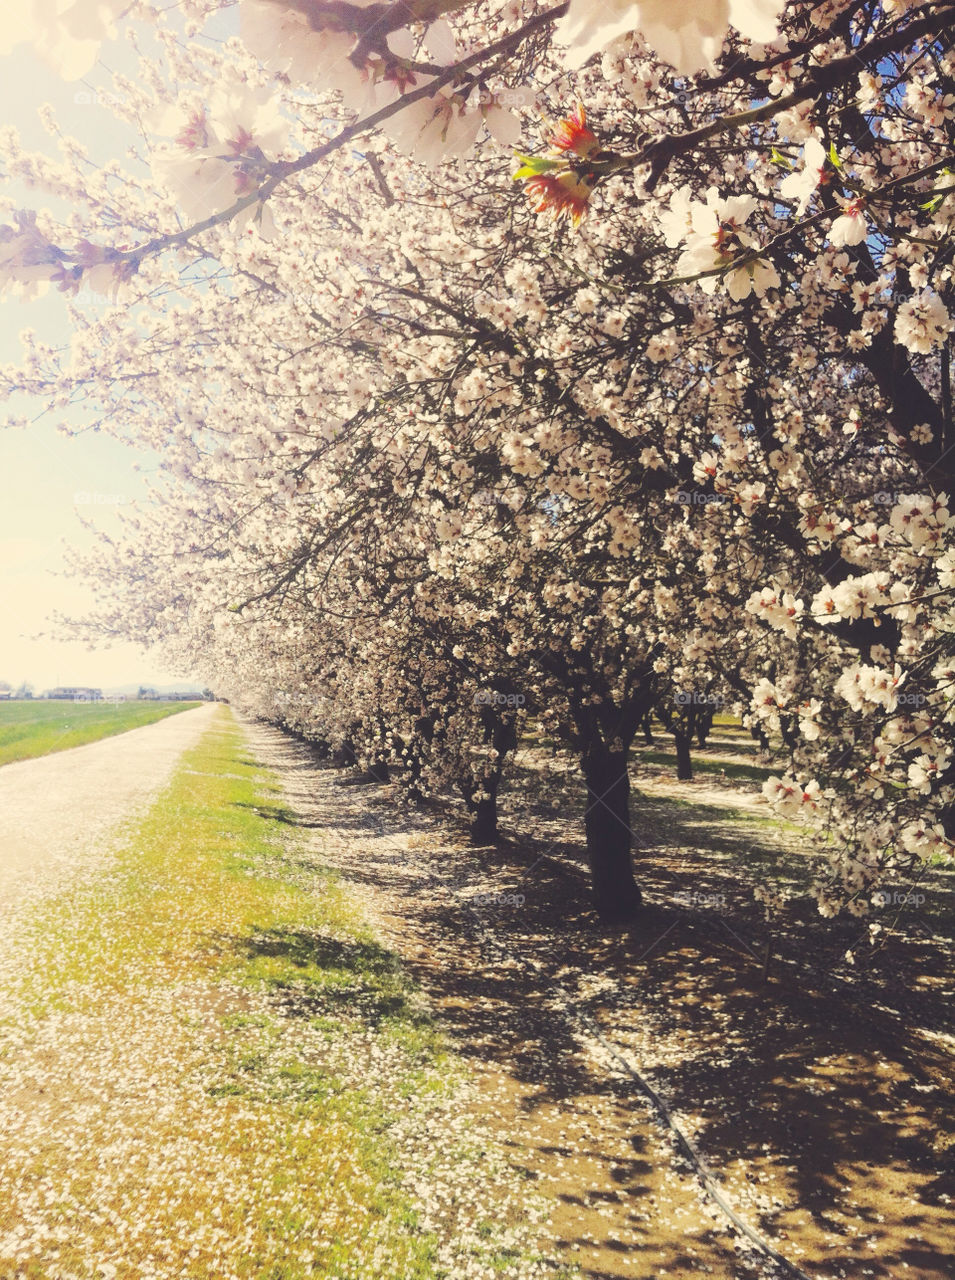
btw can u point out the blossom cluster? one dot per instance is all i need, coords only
(416, 443)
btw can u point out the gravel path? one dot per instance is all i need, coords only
(64, 812)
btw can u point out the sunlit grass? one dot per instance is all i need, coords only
(210, 1068)
(703, 764)
(35, 728)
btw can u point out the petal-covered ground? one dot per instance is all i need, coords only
(210, 1068)
(816, 1102)
(273, 1025)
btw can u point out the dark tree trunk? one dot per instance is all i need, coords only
(607, 822)
(378, 771)
(789, 730)
(684, 765)
(648, 729)
(415, 754)
(484, 819)
(500, 731)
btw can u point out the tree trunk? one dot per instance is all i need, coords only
(484, 819)
(500, 732)
(684, 765)
(607, 822)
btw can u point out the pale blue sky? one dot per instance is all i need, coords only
(41, 471)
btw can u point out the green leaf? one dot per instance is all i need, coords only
(533, 165)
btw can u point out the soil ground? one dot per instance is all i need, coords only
(814, 1087)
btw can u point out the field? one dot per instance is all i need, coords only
(34, 728)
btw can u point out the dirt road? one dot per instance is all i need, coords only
(63, 812)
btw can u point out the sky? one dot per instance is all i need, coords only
(48, 480)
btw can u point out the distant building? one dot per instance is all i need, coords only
(75, 693)
(6, 691)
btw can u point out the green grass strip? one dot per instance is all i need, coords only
(35, 728)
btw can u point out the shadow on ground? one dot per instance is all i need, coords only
(816, 1092)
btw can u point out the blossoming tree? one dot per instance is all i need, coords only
(681, 421)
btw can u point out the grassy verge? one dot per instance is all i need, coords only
(703, 764)
(209, 1068)
(33, 728)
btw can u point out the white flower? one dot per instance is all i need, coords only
(66, 33)
(923, 770)
(434, 129)
(945, 568)
(439, 42)
(807, 723)
(755, 277)
(749, 496)
(850, 227)
(802, 183)
(689, 35)
(449, 527)
(677, 222)
(503, 126)
(922, 323)
(244, 119)
(922, 840)
(28, 260)
(283, 40)
(788, 798)
(781, 614)
(715, 238)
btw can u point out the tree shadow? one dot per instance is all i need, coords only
(805, 1076)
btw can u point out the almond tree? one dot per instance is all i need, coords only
(712, 402)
